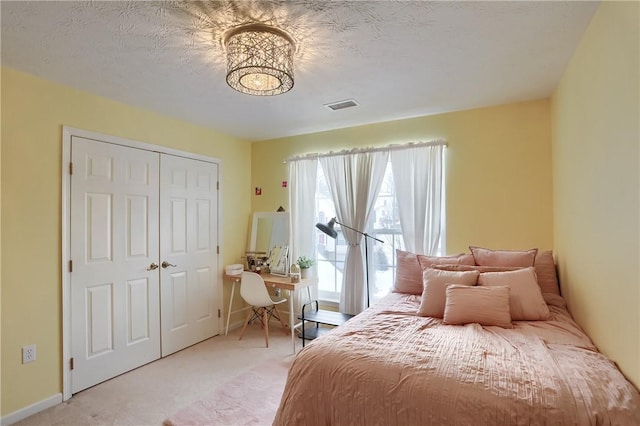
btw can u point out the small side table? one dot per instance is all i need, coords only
(319, 316)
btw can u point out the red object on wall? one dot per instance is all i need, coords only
(258, 190)
(284, 183)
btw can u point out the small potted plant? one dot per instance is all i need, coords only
(304, 263)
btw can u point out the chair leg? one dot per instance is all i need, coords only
(261, 316)
(246, 322)
(265, 315)
(277, 315)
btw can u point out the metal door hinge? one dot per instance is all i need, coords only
(219, 313)
(217, 249)
(70, 168)
(71, 266)
(218, 185)
(71, 363)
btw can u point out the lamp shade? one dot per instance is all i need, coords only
(259, 60)
(328, 228)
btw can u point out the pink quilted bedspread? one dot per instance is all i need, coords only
(388, 366)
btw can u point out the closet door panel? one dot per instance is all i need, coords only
(114, 238)
(188, 226)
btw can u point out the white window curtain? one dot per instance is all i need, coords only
(418, 174)
(303, 175)
(354, 182)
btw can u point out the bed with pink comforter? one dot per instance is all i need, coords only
(388, 366)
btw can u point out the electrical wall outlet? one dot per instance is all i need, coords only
(28, 353)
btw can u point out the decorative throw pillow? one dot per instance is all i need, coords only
(435, 285)
(478, 268)
(482, 305)
(456, 259)
(488, 257)
(546, 272)
(408, 273)
(525, 298)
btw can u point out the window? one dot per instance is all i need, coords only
(410, 194)
(384, 224)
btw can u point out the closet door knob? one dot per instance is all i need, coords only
(152, 267)
(166, 264)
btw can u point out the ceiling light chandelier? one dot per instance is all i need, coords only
(259, 60)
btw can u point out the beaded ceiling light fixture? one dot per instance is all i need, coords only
(259, 60)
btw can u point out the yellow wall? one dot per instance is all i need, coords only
(498, 170)
(596, 138)
(33, 113)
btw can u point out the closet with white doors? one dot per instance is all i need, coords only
(143, 256)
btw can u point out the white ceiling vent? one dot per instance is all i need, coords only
(342, 104)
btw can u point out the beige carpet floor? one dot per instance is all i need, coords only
(157, 391)
(250, 399)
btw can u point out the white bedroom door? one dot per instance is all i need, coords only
(188, 251)
(114, 243)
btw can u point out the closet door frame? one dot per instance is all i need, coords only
(67, 134)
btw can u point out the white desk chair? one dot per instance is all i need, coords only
(254, 292)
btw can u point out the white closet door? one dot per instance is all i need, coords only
(115, 317)
(188, 251)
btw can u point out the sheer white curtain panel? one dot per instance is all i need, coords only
(354, 181)
(418, 174)
(303, 175)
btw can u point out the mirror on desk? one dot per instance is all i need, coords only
(269, 230)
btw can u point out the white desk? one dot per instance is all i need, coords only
(273, 281)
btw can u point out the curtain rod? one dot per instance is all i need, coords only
(393, 147)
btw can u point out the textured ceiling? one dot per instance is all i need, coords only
(397, 59)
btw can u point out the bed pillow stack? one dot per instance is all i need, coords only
(460, 292)
(409, 267)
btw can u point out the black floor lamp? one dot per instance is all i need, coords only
(330, 231)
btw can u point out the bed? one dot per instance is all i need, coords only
(391, 366)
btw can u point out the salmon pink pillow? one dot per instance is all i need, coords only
(488, 257)
(476, 268)
(546, 272)
(435, 285)
(482, 305)
(456, 259)
(408, 273)
(525, 298)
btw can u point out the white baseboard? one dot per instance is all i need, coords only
(32, 409)
(235, 325)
